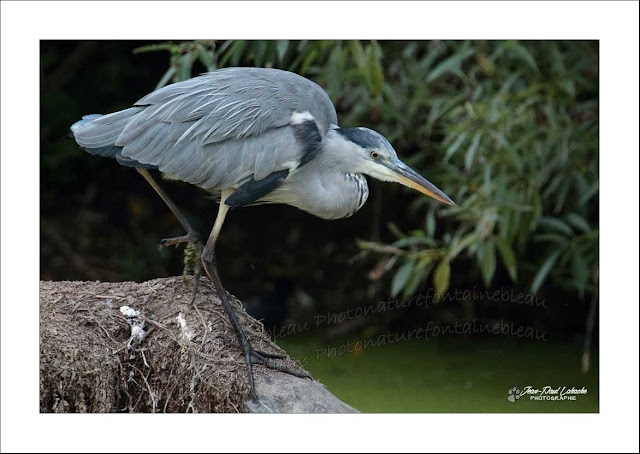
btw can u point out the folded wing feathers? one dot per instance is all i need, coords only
(104, 130)
(216, 129)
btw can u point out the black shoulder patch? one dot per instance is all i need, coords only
(254, 190)
(309, 138)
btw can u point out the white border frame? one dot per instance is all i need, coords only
(615, 24)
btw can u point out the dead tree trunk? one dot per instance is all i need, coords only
(143, 347)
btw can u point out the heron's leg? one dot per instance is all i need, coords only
(208, 253)
(192, 237)
(192, 234)
(210, 267)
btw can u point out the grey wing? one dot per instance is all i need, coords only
(222, 128)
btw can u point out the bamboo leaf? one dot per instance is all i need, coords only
(488, 266)
(580, 271)
(542, 273)
(471, 153)
(441, 276)
(419, 274)
(401, 277)
(508, 258)
(156, 47)
(282, 47)
(184, 68)
(166, 77)
(449, 64)
(455, 146)
(578, 222)
(207, 58)
(430, 224)
(556, 224)
(459, 246)
(524, 53)
(593, 190)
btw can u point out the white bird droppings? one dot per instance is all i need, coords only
(129, 311)
(136, 323)
(186, 331)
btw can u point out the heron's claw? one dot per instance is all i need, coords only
(228, 342)
(192, 253)
(270, 355)
(191, 238)
(265, 359)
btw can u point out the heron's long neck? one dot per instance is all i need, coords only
(327, 186)
(334, 194)
(339, 153)
(344, 189)
(321, 191)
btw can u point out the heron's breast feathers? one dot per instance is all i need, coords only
(362, 190)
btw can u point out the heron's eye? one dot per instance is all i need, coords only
(375, 154)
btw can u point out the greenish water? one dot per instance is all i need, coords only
(444, 376)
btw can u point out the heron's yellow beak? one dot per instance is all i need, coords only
(405, 175)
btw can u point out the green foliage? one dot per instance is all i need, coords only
(183, 56)
(515, 125)
(508, 129)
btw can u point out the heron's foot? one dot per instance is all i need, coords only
(257, 357)
(270, 355)
(265, 359)
(251, 355)
(192, 253)
(229, 343)
(192, 237)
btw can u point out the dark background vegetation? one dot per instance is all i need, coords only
(508, 129)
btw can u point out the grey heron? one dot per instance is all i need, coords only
(249, 135)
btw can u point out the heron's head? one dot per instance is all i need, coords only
(368, 152)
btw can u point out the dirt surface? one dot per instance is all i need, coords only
(143, 347)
